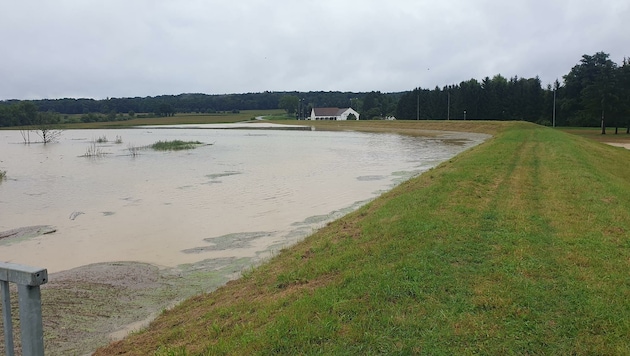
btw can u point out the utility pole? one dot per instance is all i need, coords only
(554, 107)
(299, 114)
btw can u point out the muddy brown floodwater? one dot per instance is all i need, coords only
(128, 235)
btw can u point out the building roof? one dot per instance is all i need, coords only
(329, 111)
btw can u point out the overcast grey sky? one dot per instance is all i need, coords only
(127, 48)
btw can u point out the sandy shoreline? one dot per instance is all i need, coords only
(89, 306)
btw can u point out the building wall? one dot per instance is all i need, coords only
(344, 115)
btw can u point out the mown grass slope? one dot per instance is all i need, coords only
(517, 246)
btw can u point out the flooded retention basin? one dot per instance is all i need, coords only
(193, 218)
(247, 192)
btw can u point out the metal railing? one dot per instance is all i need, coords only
(28, 280)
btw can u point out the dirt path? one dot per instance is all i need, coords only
(617, 144)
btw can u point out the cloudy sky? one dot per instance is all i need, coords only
(128, 48)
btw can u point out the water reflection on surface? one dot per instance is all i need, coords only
(247, 193)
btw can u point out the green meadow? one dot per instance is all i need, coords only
(177, 119)
(517, 246)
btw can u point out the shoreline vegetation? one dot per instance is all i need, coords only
(94, 150)
(175, 145)
(519, 245)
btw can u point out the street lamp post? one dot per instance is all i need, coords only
(464, 115)
(448, 106)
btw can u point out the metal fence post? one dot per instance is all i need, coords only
(6, 318)
(31, 330)
(28, 280)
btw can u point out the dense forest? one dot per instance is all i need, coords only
(595, 92)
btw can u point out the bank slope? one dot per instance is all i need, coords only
(519, 245)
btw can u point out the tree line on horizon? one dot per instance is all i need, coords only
(595, 92)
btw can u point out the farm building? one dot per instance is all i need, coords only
(332, 114)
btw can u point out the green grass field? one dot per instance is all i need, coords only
(517, 246)
(596, 134)
(178, 119)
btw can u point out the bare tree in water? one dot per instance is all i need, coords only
(46, 126)
(26, 136)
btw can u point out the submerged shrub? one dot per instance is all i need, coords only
(133, 150)
(93, 151)
(175, 145)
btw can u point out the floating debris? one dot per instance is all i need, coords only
(28, 231)
(75, 214)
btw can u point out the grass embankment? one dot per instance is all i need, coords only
(517, 246)
(410, 127)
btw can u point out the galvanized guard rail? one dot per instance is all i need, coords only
(28, 280)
